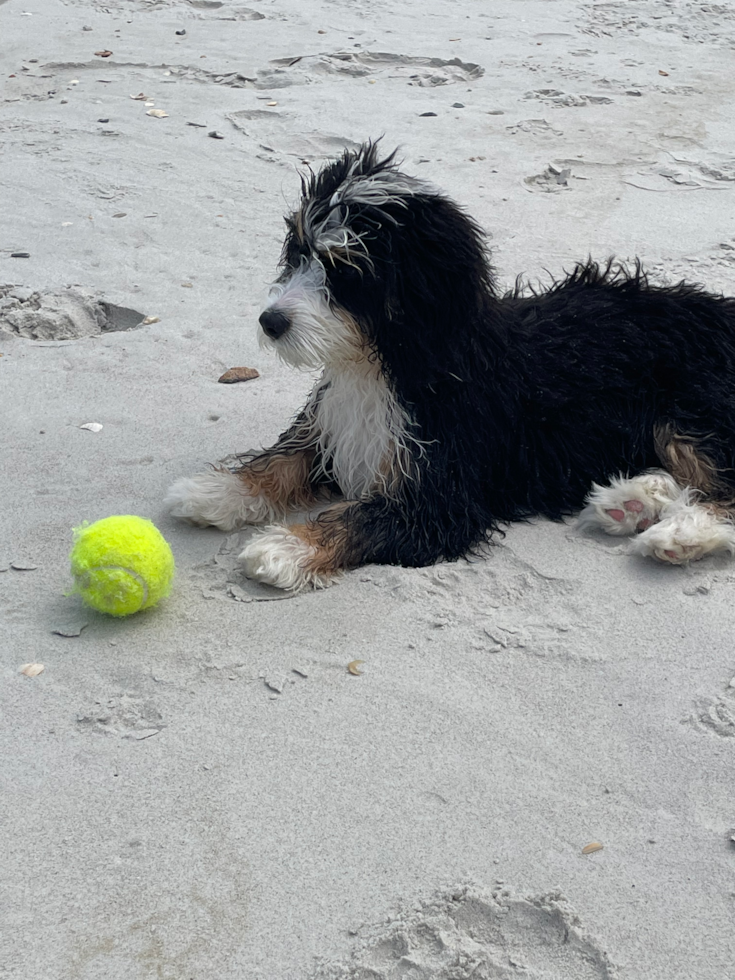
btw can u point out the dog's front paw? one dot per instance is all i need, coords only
(687, 532)
(216, 497)
(278, 557)
(629, 506)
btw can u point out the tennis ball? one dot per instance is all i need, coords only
(121, 565)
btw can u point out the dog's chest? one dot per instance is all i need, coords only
(362, 429)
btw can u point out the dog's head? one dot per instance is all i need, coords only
(373, 259)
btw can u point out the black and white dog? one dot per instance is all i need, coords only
(445, 410)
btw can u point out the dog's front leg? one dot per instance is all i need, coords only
(350, 534)
(265, 488)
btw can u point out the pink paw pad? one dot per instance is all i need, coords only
(617, 515)
(633, 506)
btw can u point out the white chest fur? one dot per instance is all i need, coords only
(363, 431)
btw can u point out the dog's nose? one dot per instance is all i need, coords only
(274, 324)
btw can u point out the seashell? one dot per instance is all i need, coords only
(238, 374)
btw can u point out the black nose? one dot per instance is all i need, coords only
(274, 323)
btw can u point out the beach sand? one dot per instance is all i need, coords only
(204, 790)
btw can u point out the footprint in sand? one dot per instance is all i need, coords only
(716, 715)
(65, 314)
(306, 69)
(277, 132)
(693, 20)
(470, 933)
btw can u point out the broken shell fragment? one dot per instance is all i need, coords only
(353, 666)
(591, 848)
(238, 374)
(32, 670)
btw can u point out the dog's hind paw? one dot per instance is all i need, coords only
(280, 558)
(629, 506)
(686, 532)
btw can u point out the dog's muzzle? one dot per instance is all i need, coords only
(274, 324)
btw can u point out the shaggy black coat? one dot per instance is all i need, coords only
(520, 401)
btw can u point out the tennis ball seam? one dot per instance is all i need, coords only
(128, 571)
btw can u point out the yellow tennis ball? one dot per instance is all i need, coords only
(121, 565)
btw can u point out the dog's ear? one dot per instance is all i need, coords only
(439, 291)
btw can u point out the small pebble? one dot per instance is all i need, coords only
(20, 255)
(458, 105)
(180, 33)
(421, 114)
(215, 135)
(104, 119)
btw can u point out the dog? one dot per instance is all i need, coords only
(445, 410)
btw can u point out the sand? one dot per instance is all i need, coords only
(204, 791)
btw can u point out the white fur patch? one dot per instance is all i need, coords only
(217, 497)
(277, 557)
(648, 494)
(686, 532)
(363, 433)
(360, 429)
(317, 334)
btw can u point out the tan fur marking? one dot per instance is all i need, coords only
(688, 465)
(282, 479)
(721, 509)
(328, 535)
